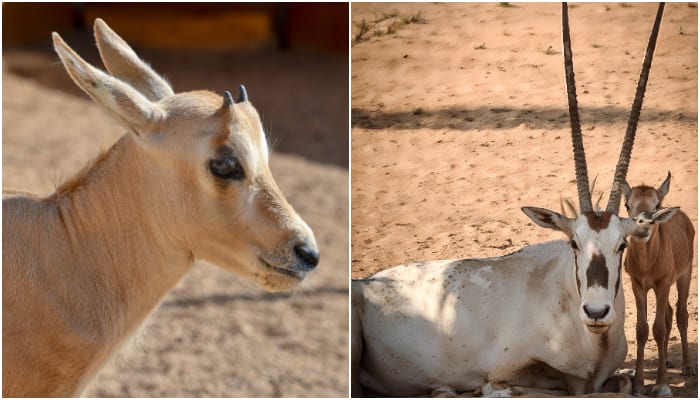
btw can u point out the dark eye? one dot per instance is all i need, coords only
(573, 244)
(227, 168)
(627, 206)
(622, 247)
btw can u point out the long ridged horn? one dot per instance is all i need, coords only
(228, 99)
(626, 152)
(242, 94)
(584, 193)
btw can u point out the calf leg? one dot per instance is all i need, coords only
(660, 336)
(669, 326)
(640, 299)
(683, 286)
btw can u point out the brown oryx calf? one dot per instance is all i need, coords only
(659, 255)
(84, 267)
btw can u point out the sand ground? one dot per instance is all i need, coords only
(215, 335)
(459, 118)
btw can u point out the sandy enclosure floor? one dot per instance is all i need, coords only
(215, 335)
(460, 118)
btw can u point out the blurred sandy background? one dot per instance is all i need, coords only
(459, 118)
(215, 335)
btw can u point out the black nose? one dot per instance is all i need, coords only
(596, 314)
(307, 254)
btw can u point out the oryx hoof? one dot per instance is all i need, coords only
(443, 392)
(493, 389)
(618, 383)
(688, 371)
(662, 391)
(638, 389)
(626, 371)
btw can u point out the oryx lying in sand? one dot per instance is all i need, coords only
(659, 255)
(84, 267)
(548, 317)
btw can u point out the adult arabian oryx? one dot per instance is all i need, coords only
(84, 267)
(549, 317)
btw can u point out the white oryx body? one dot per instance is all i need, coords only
(465, 323)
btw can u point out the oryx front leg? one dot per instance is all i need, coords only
(640, 299)
(683, 286)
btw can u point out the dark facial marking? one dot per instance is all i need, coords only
(619, 274)
(578, 281)
(598, 222)
(597, 271)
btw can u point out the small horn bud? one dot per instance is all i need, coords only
(242, 94)
(228, 99)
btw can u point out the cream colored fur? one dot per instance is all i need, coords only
(85, 266)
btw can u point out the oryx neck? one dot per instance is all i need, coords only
(115, 235)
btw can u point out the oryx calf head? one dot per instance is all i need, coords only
(206, 156)
(597, 238)
(643, 204)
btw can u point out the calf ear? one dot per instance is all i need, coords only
(664, 214)
(122, 62)
(549, 219)
(118, 97)
(665, 186)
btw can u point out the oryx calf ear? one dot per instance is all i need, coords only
(549, 219)
(665, 187)
(122, 62)
(122, 100)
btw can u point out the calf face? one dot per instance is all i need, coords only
(215, 193)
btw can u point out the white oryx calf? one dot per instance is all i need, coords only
(84, 267)
(659, 255)
(548, 317)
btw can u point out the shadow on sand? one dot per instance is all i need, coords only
(265, 297)
(489, 117)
